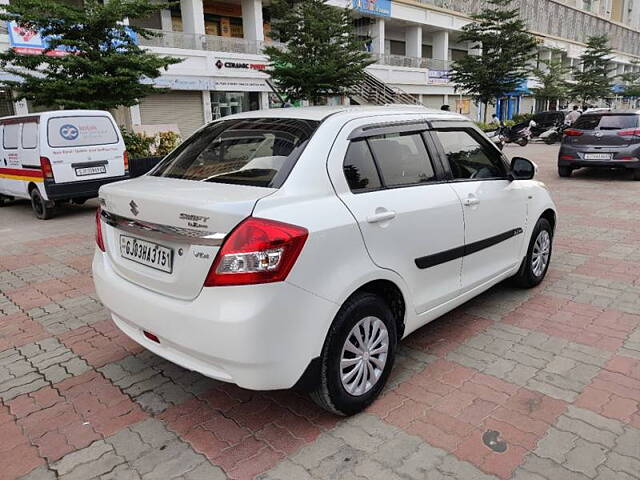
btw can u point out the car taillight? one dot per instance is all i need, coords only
(126, 162)
(571, 132)
(99, 239)
(257, 251)
(630, 132)
(567, 157)
(45, 165)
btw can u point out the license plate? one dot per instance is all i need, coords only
(146, 253)
(81, 172)
(597, 156)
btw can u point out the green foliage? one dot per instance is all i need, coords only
(138, 145)
(522, 117)
(632, 82)
(593, 82)
(506, 48)
(489, 127)
(323, 55)
(105, 67)
(553, 80)
(167, 141)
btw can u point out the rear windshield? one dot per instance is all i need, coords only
(81, 131)
(591, 121)
(257, 152)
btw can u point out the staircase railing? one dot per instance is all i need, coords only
(374, 91)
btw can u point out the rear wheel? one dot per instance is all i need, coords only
(4, 201)
(522, 141)
(42, 209)
(636, 174)
(565, 171)
(357, 356)
(550, 140)
(535, 265)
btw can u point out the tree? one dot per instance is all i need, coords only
(506, 49)
(552, 78)
(104, 65)
(322, 56)
(632, 82)
(592, 77)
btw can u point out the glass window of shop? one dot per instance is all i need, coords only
(6, 103)
(228, 103)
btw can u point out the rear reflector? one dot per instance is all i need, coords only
(567, 157)
(257, 251)
(45, 165)
(627, 158)
(99, 238)
(631, 132)
(572, 132)
(151, 336)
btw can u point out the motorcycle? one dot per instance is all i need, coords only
(519, 133)
(553, 134)
(496, 138)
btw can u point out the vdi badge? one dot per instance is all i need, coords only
(69, 132)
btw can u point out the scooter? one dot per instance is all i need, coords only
(496, 137)
(519, 134)
(553, 135)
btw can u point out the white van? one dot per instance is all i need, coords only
(51, 157)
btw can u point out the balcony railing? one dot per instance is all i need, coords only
(552, 18)
(412, 62)
(195, 41)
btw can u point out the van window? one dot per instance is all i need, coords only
(11, 136)
(258, 152)
(30, 135)
(81, 131)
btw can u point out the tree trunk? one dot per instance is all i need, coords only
(486, 110)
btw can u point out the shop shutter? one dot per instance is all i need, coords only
(182, 108)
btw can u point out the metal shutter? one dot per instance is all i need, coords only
(182, 108)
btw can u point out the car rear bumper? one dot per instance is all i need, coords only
(79, 189)
(260, 337)
(579, 163)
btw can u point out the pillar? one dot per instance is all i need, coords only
(252, 23)
(192, 16)
(413, 41)
(377, 37)
(206, 106)
(165, 20)
(441, 45)
(136, 118)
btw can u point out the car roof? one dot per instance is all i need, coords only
(320, 113)
(57, 113)
(612, 112)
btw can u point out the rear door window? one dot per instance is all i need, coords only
(255, 152)
(360, 169)
(81, 131)
(11, 136)
(402, 159)
(606, 122)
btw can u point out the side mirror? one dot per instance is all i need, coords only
(522, 169)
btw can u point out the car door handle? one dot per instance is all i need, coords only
(470, 201)
(382, 216)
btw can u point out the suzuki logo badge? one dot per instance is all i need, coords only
(134, 208)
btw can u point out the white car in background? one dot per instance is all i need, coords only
(296, 247)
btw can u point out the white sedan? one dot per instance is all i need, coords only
(297, 247)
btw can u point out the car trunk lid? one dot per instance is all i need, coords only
(189, 219)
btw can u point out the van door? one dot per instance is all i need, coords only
(13, 173)
(410, 220)
(83, 147)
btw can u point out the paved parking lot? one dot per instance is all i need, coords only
(549, 378)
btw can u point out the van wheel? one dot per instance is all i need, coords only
(4, 201)
(42, 208)
(565, 171)
(535, 265)
(357, 356)
(636, 174)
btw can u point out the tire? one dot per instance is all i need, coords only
(41, 208)
(532, 272)
(79, 201)
(565, 171)
(331, 393)
(4, 201)
(636, 174)
(522, 141)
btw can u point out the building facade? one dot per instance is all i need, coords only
(413, 42)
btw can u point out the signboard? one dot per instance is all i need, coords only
(380, 8)
(438, 77)
(31, 42)
(182, 83)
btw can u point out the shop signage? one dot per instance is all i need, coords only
(30, 42)
(380, 8)
(438, 77)
(183, 83)
(239, 65)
